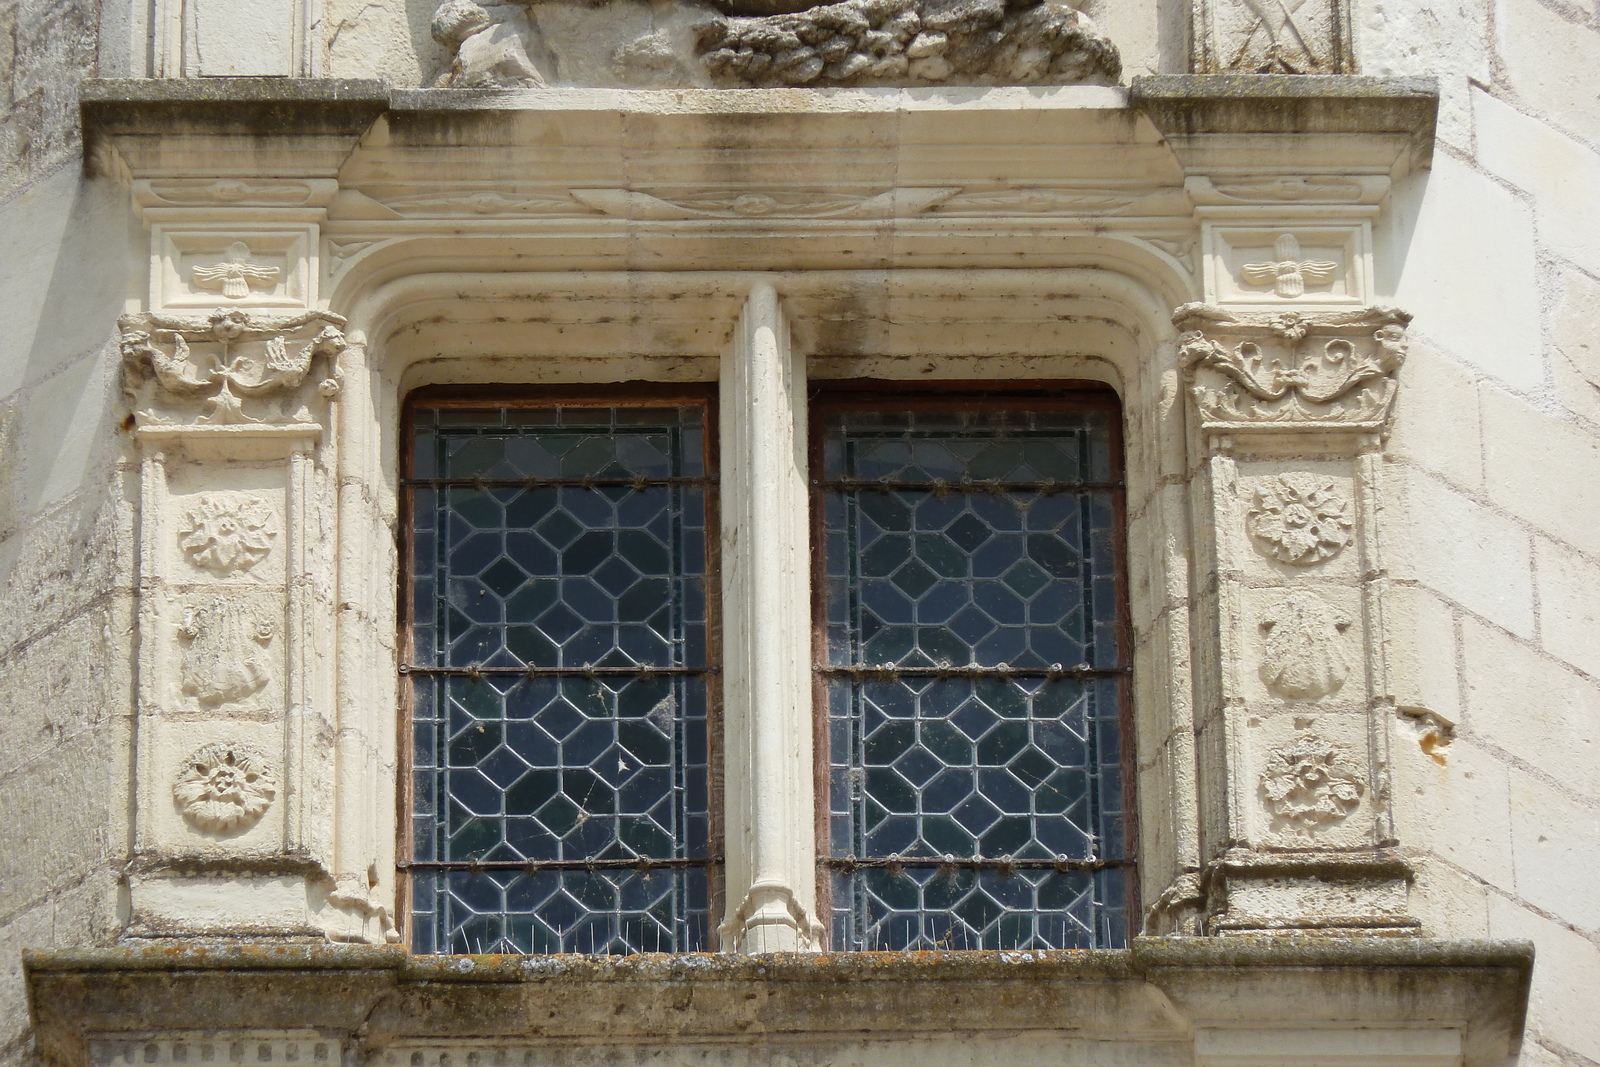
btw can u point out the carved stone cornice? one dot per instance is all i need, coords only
(1292, 370)
(230, 368)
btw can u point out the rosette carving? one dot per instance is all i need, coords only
(224, 788)
(1299, 518)
(1310, 785)
(226, 532)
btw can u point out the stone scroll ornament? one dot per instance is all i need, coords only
(753, 43)
(224, 788)
(1333, 370)
(1310, 785)
(231, 368)
(227, 532)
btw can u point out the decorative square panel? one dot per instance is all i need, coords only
(1284, 266)
(257, 268)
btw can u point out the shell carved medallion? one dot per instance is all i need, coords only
(1305, 656)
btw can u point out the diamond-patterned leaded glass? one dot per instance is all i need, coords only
(558, 669)
(975, 680)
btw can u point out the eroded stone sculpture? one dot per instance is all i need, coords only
(1299, 518)
(224, 655)
(227, 532)
(224, 788)
(1305, 656)
(1310, 785)
(753, 43)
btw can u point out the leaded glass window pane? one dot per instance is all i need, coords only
(560, 793)
(975, 680)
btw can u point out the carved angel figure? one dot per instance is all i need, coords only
(1305, 657)
(1308, 785)
(1299, 518)
(227, 531)
(225, 654)
(235, 274)
(1288, 274)
(224, 788)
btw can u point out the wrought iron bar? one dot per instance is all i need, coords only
(966, 485)
(1055, 672)
(637, 863)
(854, 863)
(553, 672)
(636, 482)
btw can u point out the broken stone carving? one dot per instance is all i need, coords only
(856, 42)
(224, 788)
(235, 274)
(1310, 785)
(1305, 656)
(204, 371)
(224, 655)
(1299, 518)
(1288, 274)
(1332, 370)
(1272, 37)
(226, 532)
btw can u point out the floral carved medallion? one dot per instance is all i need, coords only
(224, 788)
(1305, 656)
(1299, 518)
(225, 655)
(227, 532)
(1310, 785)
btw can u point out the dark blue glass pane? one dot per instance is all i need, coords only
(536, 766)
(951, 542)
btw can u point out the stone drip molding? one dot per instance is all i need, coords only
(749, 43)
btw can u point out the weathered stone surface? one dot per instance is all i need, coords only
(1543, 468)
(1555, 838)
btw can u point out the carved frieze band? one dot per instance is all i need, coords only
(1291, 370)
(232, 367)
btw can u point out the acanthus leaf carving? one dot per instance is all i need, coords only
(1299, 518)
(224, 788)
(226, 531)
(200, 371)
(1310, 785)
(225, 642)
(1305, 657)
(1330, 370)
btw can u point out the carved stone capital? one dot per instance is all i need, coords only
(231, 367)
(1292, 370)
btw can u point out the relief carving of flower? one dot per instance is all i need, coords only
(1300, 519)
(224, 788)
(1309, 786)
(226, 532)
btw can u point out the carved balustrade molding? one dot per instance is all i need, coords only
(236, 731)
(1293, 699)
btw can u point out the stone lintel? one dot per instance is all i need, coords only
(1152, 996)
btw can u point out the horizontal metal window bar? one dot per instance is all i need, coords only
(852, 863)
(1052, 672)
(965, 485)
(637, 482)
(552, 672)
(638, 863)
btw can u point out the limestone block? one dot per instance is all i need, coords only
(238, 38)
(1557, 732)
(1459, 809)
(1548, 61)
(1448, 39)
(1556, 841)
(1569, 604)
(1568, 963)
(1576, 357)
(1560, 173)
(51, 46)
(33, 927)
(1542, 469)
(64, 560)
(1443, 282)
(62, 683)
(1238, 37)
(1436, 422)
(1469, 553)
(82, 783)
(1421, 646)
(1449, 903)
(388, 40)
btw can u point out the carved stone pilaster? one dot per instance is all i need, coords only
(236, 725)
(1294, 697)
